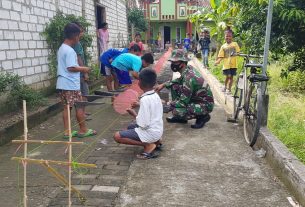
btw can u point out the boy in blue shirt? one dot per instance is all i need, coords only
(187, 42)
(129, 62)
(108, 57)
(68, 80)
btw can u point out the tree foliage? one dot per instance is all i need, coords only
(54, 36)
(136, 17)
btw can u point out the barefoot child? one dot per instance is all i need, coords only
(229, 61)
(148, 129)
(68, 80)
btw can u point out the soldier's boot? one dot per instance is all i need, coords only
(201, 120)
(176, 119)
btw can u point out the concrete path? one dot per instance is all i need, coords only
(209, 167)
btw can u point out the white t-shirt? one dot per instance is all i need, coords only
(149, 118)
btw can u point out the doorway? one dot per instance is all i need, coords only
(167, 35)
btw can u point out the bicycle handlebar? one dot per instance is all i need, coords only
(246, 55)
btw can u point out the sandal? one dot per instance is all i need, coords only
(89, 133)
(146, 156)
(74, 134)
(159, 147)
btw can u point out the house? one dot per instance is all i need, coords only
(24, 51)
(170, 18)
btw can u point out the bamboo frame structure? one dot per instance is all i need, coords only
(46, 163)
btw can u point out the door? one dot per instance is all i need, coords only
(167, 35)
(100, 18)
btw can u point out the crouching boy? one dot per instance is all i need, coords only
(148, 129)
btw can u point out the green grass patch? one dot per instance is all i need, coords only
(286, 109)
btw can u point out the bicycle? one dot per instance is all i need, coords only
(248, 98)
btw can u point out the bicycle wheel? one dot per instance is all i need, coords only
(253, 114)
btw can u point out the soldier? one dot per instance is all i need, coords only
(191, 96)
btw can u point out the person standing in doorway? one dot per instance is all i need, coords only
(103, 37)
(204, 43)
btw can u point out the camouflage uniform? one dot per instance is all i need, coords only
(191, 96)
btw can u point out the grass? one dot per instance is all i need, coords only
(286, 118)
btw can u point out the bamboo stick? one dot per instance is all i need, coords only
(61, 179)
(84, 165)
(25, 128)
(70, 156)
(45, 142)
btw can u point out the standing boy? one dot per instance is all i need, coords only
(68, 80)
(204, 43)
(148, 129)
(187, 42)
(138, 41)
(227, 54)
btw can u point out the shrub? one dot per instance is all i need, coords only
(295, 82)
(55, 37)
(17, 91)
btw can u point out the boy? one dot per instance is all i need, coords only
(227, 54)
(130, 62)
(148, 129)
(68, 80)
(204, 43)
(108, 57)
(187, 42)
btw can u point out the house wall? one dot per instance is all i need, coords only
(24, 51)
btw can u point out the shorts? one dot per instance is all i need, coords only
(84, 87)
(130, 133)
(108, 71)
(69, 97)
(230, 72)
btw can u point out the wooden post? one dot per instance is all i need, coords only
(25, 125)
(70, 155)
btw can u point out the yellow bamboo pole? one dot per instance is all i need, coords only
(70, 155)
(62, 179)
(85, 165)
(25, 128)
(45, 142)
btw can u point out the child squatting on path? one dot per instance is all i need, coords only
(148, 130)
(227, 54)
(68, 80)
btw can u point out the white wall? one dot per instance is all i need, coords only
(24, 51)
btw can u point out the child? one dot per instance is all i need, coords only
(227, 54)
(108, 57)
(68, 80)
(187, 42)
(130, 62)
(204, 43)
(137, 40)
(148, 129)
(103, 37)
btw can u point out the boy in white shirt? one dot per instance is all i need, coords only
(148, 130)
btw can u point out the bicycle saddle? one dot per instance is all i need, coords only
(253, 65)
(258, 78)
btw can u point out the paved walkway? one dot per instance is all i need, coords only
(209, 167)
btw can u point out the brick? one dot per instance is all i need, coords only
(8, 35)
(17, 63)
(25, 17)
(39, 28)
(23, 44)
(26, 62)
(32, 44)
(21, 53)
(11, 54)
(21, 72)
(30, 71)
(6, 5)
(35, 36)
(40, 3)
(39, 44)
(13, 25)
(23, 26)
(17, 6)
(45, 68)
(7, 65)
(4, 24)
(109, 189)
(18, 35)
(15, 15)
(30, 53)
(32, 27)
(83, 187)
(27, 36)
(43, 60)
(38, 69)
(2, 55)
(14, 45)
(35, 61)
